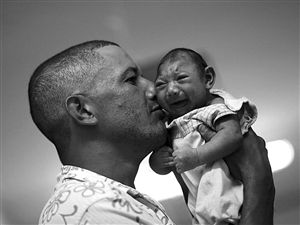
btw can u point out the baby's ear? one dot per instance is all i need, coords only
(209, 76)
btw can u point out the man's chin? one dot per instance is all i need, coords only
(163, 134)
(160, 136)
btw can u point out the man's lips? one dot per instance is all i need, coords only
(157, 109)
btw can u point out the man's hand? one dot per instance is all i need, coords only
(161, 161)
(185, 159)
(251, 165)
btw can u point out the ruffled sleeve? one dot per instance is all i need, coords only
(246, 111)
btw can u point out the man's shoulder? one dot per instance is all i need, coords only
(73, 199)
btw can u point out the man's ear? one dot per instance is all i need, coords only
(81, 109)
(209, 76)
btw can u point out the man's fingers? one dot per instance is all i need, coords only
(206, 132)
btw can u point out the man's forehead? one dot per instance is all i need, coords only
(115, 61)
(115, 54)
(109, 50)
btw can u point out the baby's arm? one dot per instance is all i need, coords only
(161, 161)
(227, 139)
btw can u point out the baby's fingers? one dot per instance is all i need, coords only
(170, 164)
(167, 149)
(168, 161)
(179, 169)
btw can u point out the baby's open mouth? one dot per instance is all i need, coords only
(179, 103)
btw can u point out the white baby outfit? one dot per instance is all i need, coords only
(214, 196)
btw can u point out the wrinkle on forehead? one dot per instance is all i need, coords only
(181, 58)
(175, 65)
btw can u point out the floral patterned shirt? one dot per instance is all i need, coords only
(84, 197)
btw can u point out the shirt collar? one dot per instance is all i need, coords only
(80, 174)
(76, 173)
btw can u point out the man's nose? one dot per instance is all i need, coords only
(149, 89)
(172, 90)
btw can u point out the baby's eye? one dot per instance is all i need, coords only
(182, 77)
(159, 84)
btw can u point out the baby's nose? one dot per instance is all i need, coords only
(172, 90)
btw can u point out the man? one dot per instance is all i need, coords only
(93, 104)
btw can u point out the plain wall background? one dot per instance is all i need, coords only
(254, 46)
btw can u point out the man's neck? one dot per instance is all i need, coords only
(118, 170)
(104, 160)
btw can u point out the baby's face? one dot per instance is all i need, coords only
(179, 87)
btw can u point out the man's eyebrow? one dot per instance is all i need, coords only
(128, 70)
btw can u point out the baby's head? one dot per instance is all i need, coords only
(183, 81)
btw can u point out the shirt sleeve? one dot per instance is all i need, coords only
(246, 110)
(210, 114)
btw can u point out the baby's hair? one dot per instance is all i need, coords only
(175, 53)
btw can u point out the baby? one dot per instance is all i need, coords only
(183, 86)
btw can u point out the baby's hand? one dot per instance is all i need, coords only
(161, 161)
(185, 159)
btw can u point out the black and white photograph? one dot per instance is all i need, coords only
(150, 112)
